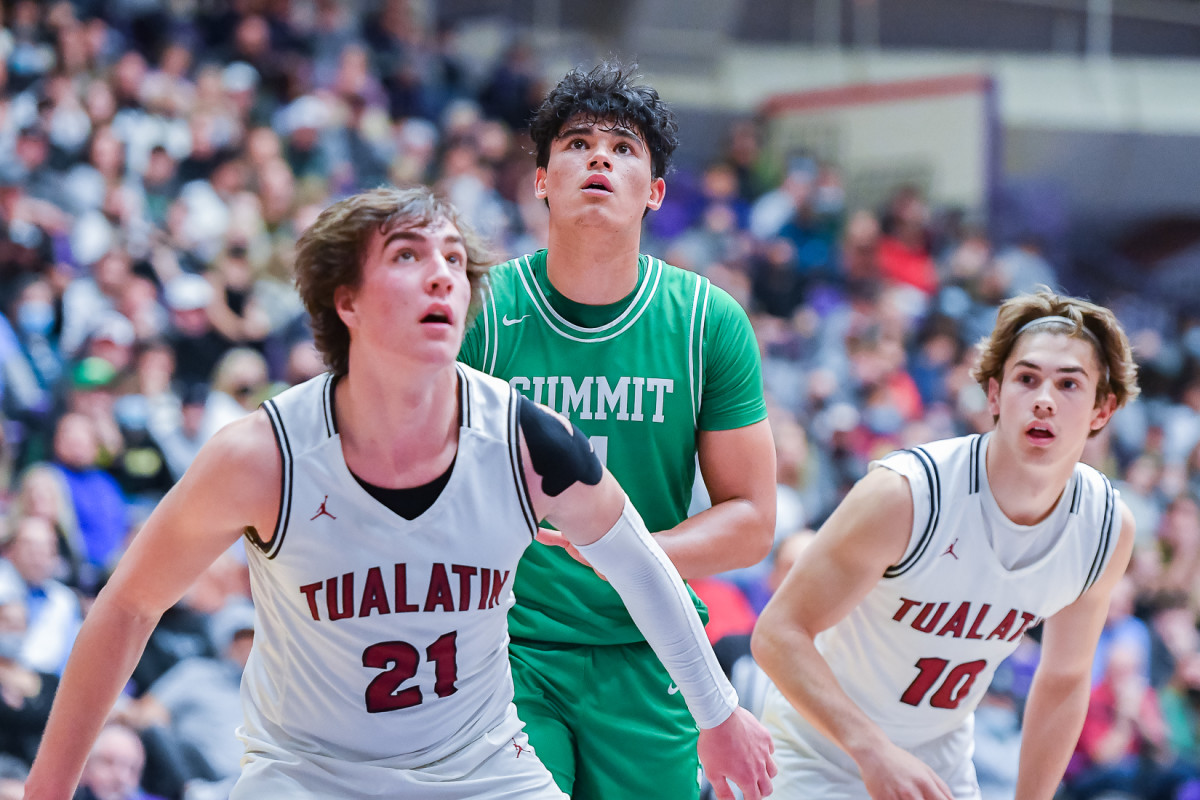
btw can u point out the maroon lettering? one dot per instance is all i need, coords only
(1026, 618)
(439, 594)
(974, 632)
(402, 604)
(498, 582)
(485, 580)
(920, 624)
(374, 594)
(464, 585)
(310, 591)
(1005, 626)
(347, 606)
(954, 626)
(905, 605)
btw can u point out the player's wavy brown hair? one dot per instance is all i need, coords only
(1111, 344)
(331, 251)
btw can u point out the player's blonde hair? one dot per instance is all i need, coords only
(1081, 319)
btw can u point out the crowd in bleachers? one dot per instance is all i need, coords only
(155, 170)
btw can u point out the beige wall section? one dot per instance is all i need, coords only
(1136, 95)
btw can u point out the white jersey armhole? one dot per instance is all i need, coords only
(908, 464)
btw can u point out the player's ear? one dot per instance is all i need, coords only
(993, 397)
(658, 192)
(1103, 411)
(345, 303)
(539, 183)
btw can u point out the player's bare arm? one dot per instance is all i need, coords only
(570, 489)
(1058, 699)
(738, 466)
(868, 532)
(233, 483)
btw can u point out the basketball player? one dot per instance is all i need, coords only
(384, 505)
(977, 539)
(657, 367)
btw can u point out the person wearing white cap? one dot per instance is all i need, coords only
(888, 629)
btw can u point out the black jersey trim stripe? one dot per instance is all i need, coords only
(327, 405)
(976, 448)
(518, 466)
(1077, 494)
(285, 488)
(1101, 557)
(935, 501)
(464, 398)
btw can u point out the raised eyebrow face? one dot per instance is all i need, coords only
(418, 235)
(1070, 369)
(597, 128)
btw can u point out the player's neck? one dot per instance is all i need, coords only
(594, 270)
(1026, 493)
(398, 429)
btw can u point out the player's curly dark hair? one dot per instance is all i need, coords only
(607, 94)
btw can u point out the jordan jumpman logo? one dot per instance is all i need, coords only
(322, 510)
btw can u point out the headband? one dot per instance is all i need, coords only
(1078, 326)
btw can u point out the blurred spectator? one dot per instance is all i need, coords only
(1181, 710)
(180, 438)
(53, 613)
(200, 698)
(42, 492)
(1179, 543)
(185, 631)
(1123, 630)
(239, 383)
(114, 767)
(13, 773)
(87, 300)
(25, 693)
(905, 250)
(1123, 745)
(95, 495)
(197, 344)
(729, 613)
(234, 311)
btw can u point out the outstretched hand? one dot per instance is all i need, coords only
(738, 751)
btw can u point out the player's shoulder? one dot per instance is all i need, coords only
(694, 289)
(508, 274)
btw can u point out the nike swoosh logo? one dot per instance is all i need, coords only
(672, 689)
(508, 321)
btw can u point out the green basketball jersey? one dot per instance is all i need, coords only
(640, 377)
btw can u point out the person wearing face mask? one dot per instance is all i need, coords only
(30, 364)
(25, 693)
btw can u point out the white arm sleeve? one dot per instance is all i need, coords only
(659, 604)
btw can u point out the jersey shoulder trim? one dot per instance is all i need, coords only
(935, 502)
(696, 333)
(1106, 540)
(517, 464)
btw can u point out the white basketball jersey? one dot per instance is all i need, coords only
(919, 651)
(381, 638)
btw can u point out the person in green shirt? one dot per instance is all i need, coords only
(661, 370)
